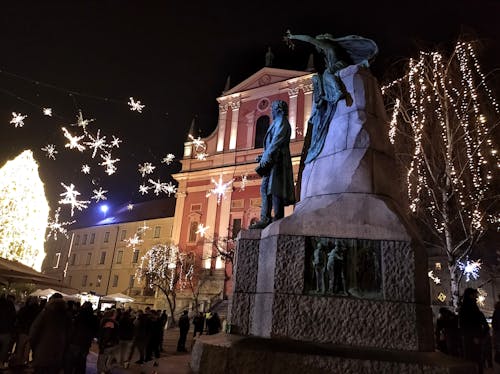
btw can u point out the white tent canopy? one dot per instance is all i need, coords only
(118, 297)
(48, 292)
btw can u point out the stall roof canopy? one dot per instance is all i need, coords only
(15, 272)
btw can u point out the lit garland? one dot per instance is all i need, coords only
(23, 211)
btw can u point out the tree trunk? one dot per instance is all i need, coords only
(454, 283)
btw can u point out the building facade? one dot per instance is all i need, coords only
(103, 258)
(218, 187)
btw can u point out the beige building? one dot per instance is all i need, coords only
(103, 257)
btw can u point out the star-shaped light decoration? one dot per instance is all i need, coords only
(135, 105)
(170, 189)
(433, 277)
(99, 195)
(85, 169)
(201, 156)
(481, 298)
(168, 159)
(199, 145)
(96, 143)
(470, 269)
(54, 226)
(115, 142)
(143, 189)
(202, 229)
(70, 197)
(130, 207)
(73, 140)
(81, 122)
(146, 168)
(47, 112)
(142, 229)
(50, 149)
(220, 188)
(133, 241)
(109, 163)
(17, 119)
(158, 186)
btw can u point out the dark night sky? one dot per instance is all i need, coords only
(175, 57)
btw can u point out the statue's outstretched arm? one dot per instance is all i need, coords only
(308, 39)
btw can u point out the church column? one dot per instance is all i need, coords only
(235, 106)
(180, 197)
(221, 126)
(224, 216)
(210, 222)
(308, 98)
(292, 109)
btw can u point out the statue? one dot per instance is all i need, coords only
(319, 267)
(328, 87)
(269, 57)
(275, 168)
(335, 268)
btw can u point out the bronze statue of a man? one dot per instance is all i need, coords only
(275, 168)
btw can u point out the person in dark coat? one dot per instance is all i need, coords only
(213, 323)
(198, 323)
(183, 331)
(84, 329)
(49, 336)
(275, 166)
(7, 323)
(109, 340)
(153, 346)
(126, 333)
(142, 327)
(163, 320)
(25, 318)
(473, 326)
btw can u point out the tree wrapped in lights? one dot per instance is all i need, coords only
(23, 211)
(164, 266)
(443, 120)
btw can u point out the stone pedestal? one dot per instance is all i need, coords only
(350, 203)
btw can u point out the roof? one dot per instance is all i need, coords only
(142, 211)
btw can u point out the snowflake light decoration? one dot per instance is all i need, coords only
(143, 189)
(130, 207)
(81, 122)
(244, 181)
(202, 229)
(158, 186)
(50, 149)
(146, 168)
(47, 112)
(133, 241)
(201, 156)
(199, 145)
(85, 169)
(18, 119)
(142, 229)
(168, 159)
(434, 278)
(96, 143)
(99, 195)
(115, 142)
(54, 226)
(135, 105)
(73, 140)
(109, 163)
(470, 269)
(220, 188)
(170, 189)
(70, 198)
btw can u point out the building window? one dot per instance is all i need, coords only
(157, 231)
(89, 258)
(135, 256)
(106, 237)
(237, 204)
(255, 202)
(115, 280)
(260, 131)
(84, 280)
(119, 257)
(131, 281)
(77, 240)
(84, 240)
(195, 207)
(123, 235)
(193, 227)
(236, 227)
(57, 258)
(103, 258)
(92, 238)
(99, 280)
(73, 259)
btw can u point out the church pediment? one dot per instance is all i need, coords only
(265, 77)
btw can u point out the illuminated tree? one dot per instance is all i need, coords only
(443, 122)
(23, 211)
(168, 269)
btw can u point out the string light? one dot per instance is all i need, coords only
(24, 211)
(54, 226)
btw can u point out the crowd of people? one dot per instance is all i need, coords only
(56, 335)
(467, 333)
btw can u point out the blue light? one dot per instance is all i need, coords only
(104, 208)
